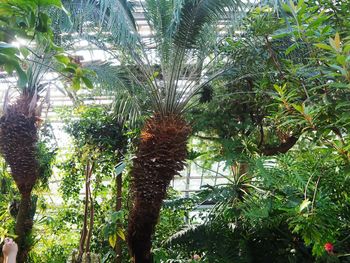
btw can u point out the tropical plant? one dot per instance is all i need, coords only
(21, 114)
(293, 206)
(295, 85)
(185, 38)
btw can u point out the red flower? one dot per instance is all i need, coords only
(329, 247)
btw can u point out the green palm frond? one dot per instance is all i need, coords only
(127, 109)
(129, 103)
(196, 14)
(160, 14)
(186, 235)
(104, 20)
(185, 39)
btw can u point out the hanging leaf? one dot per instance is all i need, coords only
(112, 240)
(43, 25)
(120, 233)
(87, 82)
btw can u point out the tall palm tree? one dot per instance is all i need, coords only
(171, 68)
(22, 107)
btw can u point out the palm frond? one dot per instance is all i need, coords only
(196, 14)
(129, 103)
(186, 235)
(104, 20)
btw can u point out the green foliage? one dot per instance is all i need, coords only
(47, 150)
(97, 128)
(298, 203)
(8, 202)
(280, 111)
(287, 81)
(97, 136)
(29, 26)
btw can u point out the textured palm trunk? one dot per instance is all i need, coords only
(24, 225)
(18, 138)
(161, 155)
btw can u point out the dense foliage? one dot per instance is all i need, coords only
(269, 101)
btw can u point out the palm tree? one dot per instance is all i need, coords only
(20, 118)
(171, 67)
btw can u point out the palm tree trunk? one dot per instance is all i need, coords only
(18, 138)
(24, 224)
(161, 155)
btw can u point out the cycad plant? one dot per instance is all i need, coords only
(171, 67)
(26, 21)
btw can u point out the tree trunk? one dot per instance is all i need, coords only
(24, 225)
(18, 138)
(118, 245)
(91, 223)
(86, 207)
(161, 155)
(86, 233)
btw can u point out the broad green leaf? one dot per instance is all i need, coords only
(300, 3)
(280, 35)
(63, 59)
(44, 23)
(286, 8)
(279, 89)
(112, 240)
(9, 49)
(69, 70)
(87, 82)
(25, 52)
(22, 76)
(119, 215)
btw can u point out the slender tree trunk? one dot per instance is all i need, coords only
(24, 225)
(118, 246)
(91, 223)
(86, 208)
(86, 233)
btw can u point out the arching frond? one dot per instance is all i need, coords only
(185, 235)
(129, 103)
(196, 14)
(105, 20)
